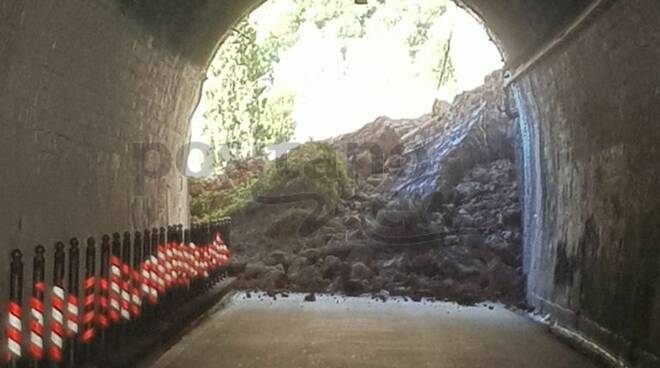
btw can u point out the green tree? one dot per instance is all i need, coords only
(240, 113)
(242, 116)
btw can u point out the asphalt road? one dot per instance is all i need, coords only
(360, 332)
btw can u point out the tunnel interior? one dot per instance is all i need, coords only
(84, 85)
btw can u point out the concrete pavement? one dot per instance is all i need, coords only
(360, 332)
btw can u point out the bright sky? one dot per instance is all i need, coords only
(336, 96)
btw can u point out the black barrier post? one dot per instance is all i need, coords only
(102, 319)
(155, 236)
(176, 247)
(15, 312)
(228, 232)
(72, 308)
(136, 278)
(147, 272)
(37, 306)
(200, 243)
(193, 234)
(89, 302)
(209, 227)
(154, 267)
(217, 231)
(57, 307)
(169, 265)
(192, 238)
(115, 288)
(146, 245)
(178, 235)
(208, 230)
(186, 246)
(162, 244)
(125, 283)
(173, 243)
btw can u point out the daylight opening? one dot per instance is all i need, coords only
(362, 149)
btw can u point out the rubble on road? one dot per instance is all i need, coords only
(433, 211)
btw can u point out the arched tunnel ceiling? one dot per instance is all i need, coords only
(195, 27)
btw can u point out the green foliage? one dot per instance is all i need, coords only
(242, 116)
(213, 204)
(278, 113)
(241, 113)
(309, 168)
(312, 167)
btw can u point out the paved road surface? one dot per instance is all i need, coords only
(360, 332)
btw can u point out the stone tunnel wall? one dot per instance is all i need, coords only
(591, 115)
(82, 81)
(80, 84)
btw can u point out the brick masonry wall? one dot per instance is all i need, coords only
(80, 84)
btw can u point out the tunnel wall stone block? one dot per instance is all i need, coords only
(596, 244)
(80, 85)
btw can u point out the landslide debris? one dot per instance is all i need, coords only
(425, 207)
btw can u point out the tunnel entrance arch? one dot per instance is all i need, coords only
(543, 45)
(471, 135)
(80, 82)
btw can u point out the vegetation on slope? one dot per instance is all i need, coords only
(313, 167)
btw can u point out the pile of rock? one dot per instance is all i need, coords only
(472, 255)
(434, 213)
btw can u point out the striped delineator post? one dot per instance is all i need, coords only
(14, 310)
(156, 269)
(167, 259)
(178, 257)
(161, 254)
(149, 292)
(103, 316)
(161, 267)
(125, 303)
(180, 246)
(37, 307)
(136, 277)
(189, 254)
(130, 273)
(89, 300)
(72, 308)
(114, 292)
(72, 314)
(57, 306)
